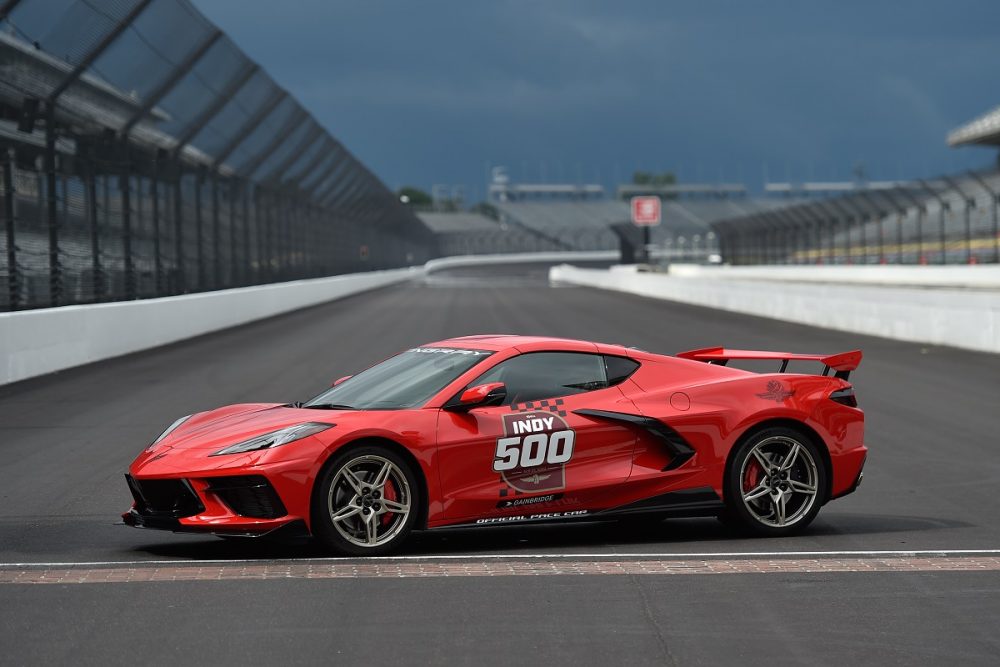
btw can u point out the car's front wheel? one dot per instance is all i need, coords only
(775, 482)
(366, 502)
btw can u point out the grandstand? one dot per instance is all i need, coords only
(687, 216)
(577, 224)
(463, 233)
(947, 220)
(536, 217)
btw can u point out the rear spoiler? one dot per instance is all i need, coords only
(842, 363)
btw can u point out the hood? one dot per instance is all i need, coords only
(235, 423)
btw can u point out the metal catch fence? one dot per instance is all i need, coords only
(144, 154)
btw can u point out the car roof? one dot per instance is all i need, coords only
(498, 342)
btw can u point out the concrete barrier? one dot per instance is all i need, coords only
(35, 342)
(982, 276)
(965, 318)
(561, 256)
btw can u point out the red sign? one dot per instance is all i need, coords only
(645, 211)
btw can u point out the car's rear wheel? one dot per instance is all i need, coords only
(366, 502)
(775, 482)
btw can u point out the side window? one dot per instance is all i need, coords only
(537, 375)
(619, 369)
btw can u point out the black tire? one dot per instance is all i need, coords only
(786, 506)
(332, 491)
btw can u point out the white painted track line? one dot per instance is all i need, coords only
(906, 553)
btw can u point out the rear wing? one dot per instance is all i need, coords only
(842, 363)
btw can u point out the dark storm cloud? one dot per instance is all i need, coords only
(433, 92)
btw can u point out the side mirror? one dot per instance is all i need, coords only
(483, 395)
(339, 380)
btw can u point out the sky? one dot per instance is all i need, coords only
(438, 92)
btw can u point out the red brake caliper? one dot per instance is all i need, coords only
(751, 478)
(389, 493)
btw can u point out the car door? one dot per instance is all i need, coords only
(534, 455)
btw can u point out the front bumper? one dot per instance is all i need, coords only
(290, 528)
(225, 505)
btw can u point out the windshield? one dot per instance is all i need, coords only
(407, 380)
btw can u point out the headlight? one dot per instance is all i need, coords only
(170, 429)
(275, 438)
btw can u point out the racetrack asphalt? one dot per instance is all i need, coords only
(930, 484)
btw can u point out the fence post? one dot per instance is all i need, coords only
(969, 203)
(199, 231)
(846, 233)
(996, 228)
(278, 229)
(866, 245)
(294, 227)
(899, 237)
(247, 255)
(95, 231)
(233, 264)
(847, 240)
(945, 208)
(920, 235)
(10, 212)
(179, 226)
(818, 254)
(259, 228)
(216, 235)
(155, 206)
(125, 186)
(266, 247)
(52, 207)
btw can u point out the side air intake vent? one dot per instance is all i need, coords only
(172, 498)
(248, 495)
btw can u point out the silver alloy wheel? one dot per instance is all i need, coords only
(358, 504)
(779, 481)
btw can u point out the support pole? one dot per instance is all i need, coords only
(941, 218)
(125, 187)
(247, 254)
(52, 207)
(199, 231)
(231, 190)
(10, 216)
(179, 229)
(216, 235)
(157, 254)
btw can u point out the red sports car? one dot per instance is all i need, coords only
(498, 429)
